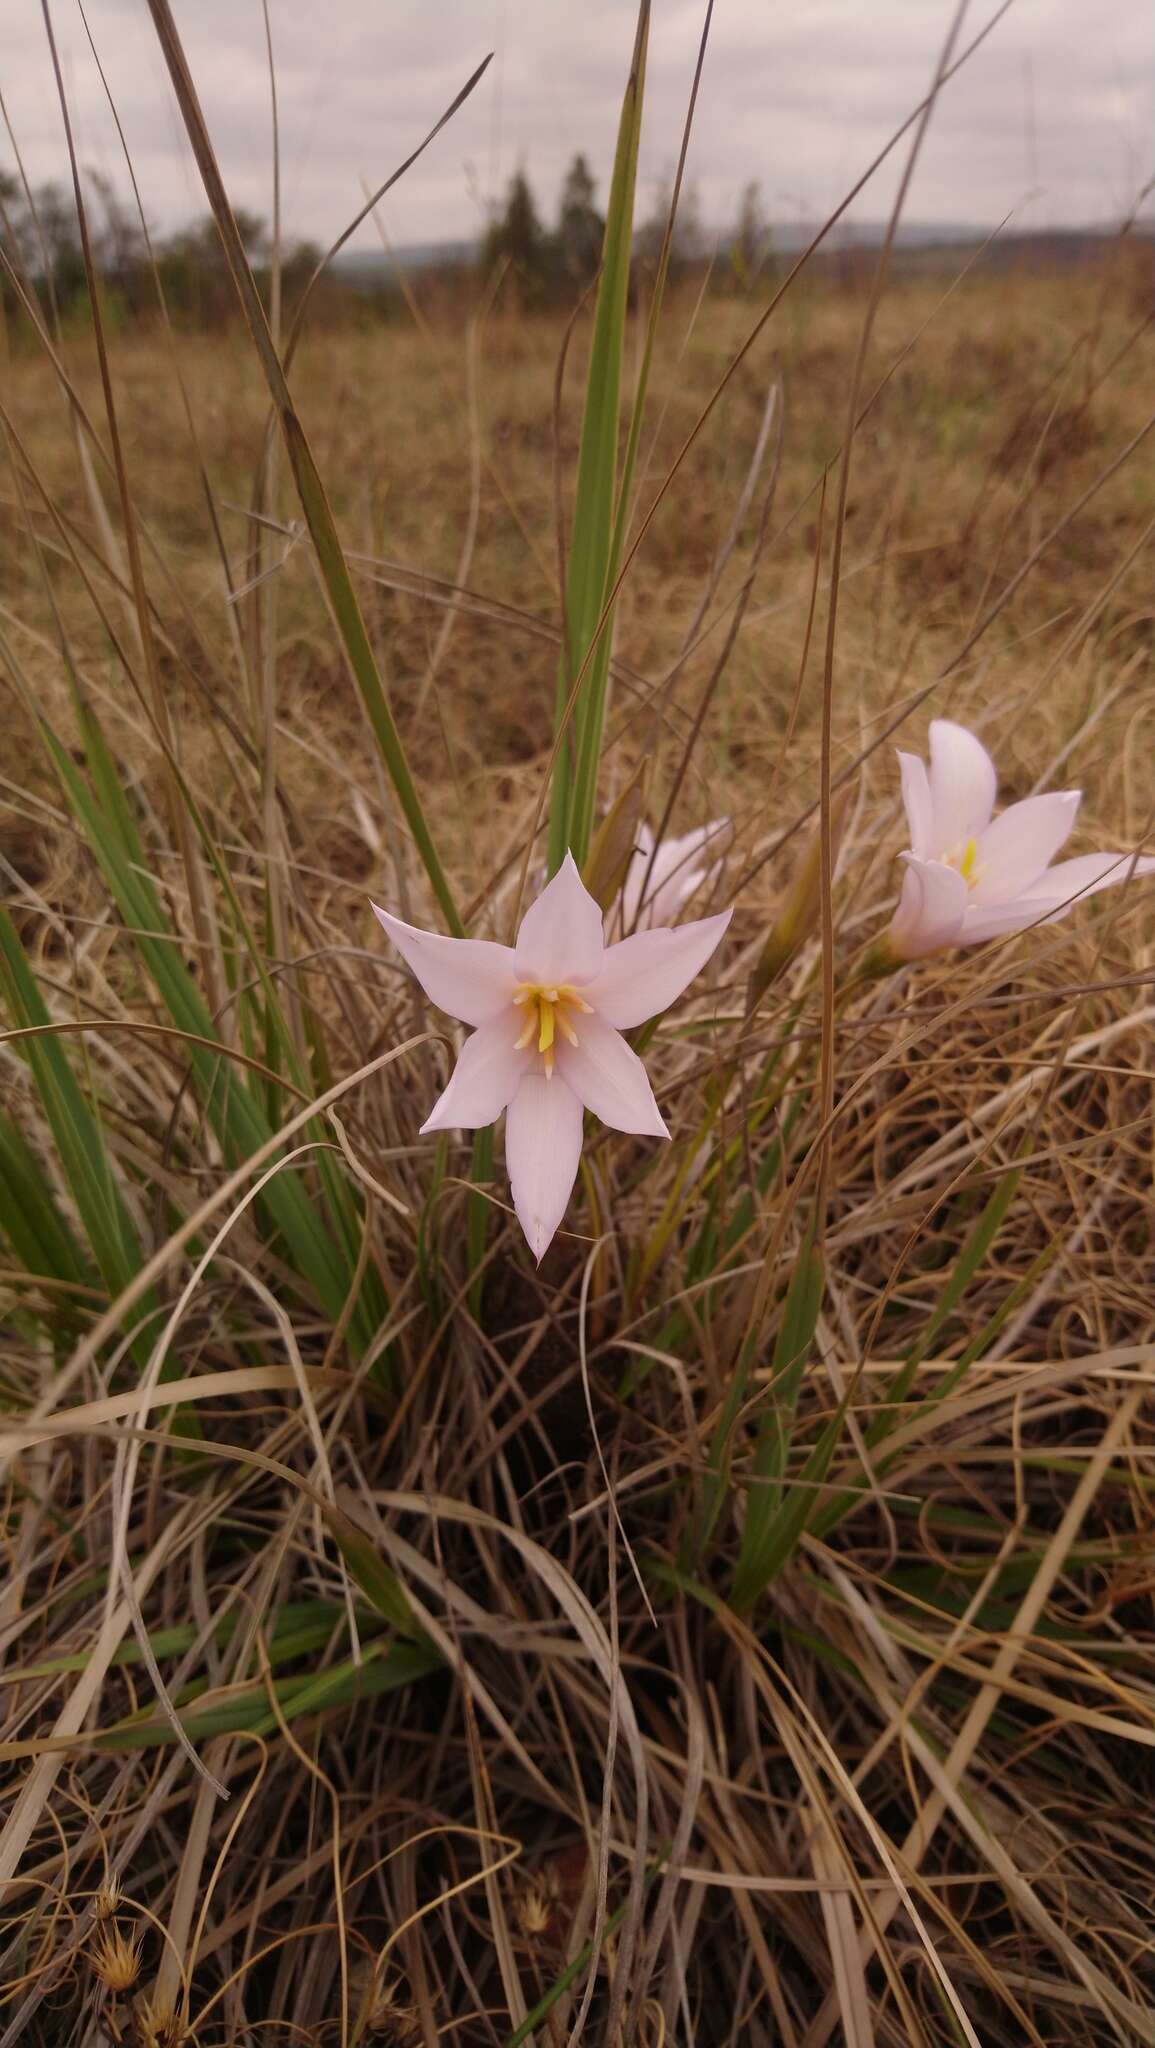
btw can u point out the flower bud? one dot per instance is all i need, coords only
(800, 913)
(615, 839)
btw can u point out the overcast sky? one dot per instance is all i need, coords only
(1054, 116)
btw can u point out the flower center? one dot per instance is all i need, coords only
(965, 862)
(547, 1011)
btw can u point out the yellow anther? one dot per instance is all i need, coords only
(970, 854)
(547, 1012)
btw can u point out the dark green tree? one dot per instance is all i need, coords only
(517, 237)
(195, 275)
(686, 242)
(751, 246)
(580, 227)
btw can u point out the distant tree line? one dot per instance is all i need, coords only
(548, 264)
(42, 260)
(41, 257)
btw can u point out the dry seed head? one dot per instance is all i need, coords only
(158, 2026)
(108, 1900)
(389, 2020)
(534, 1910)
(115, 1958)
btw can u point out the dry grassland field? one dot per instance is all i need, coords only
(736, 1627)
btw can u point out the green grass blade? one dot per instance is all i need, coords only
(42, 1240)
(379, 1583)
(236, 1115)
(779, 1532)
(775, 1434)
(247, 1711)
(970, 1258)
(301, 1627)
(258, 1010)
(90, 1174)
(974, 1251)
(592, 564)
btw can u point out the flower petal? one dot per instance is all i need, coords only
(985, 921)
(1014, 851)
(543, 1145)
(561, 934)
(629, 903)
(678, 872)
(471, 979)
(609, 1077)
(930, 910)
(962, 787)
(1061, 887)
(488, 1074)
(1052, 895)
(917, 804)
(643, 975)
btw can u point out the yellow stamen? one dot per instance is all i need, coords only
(966, 864)
(548, 1011)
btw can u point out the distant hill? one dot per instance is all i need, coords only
(368, 268)
(917, 245)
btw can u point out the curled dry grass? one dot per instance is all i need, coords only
(514, 1765)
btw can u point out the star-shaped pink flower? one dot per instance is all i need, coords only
(971, 876)
(547, 1016)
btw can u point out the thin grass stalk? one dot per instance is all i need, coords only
(333, 568)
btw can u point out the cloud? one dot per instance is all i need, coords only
(1052, 116)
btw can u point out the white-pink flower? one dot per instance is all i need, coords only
(548, 1014)
(971, 876)
(659, 883)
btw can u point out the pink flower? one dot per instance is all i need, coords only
(669, 876)
(548, 1014)
(971, 876)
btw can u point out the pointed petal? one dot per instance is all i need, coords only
(561, 934)
(488, 1074)
(471, 979)
(917, 804)
(1014, 851)
(1062, 886)
(930, 910)
(644, 974)
(962, 787)
(543, 1145)
(1052, 895)
(609, 1078)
